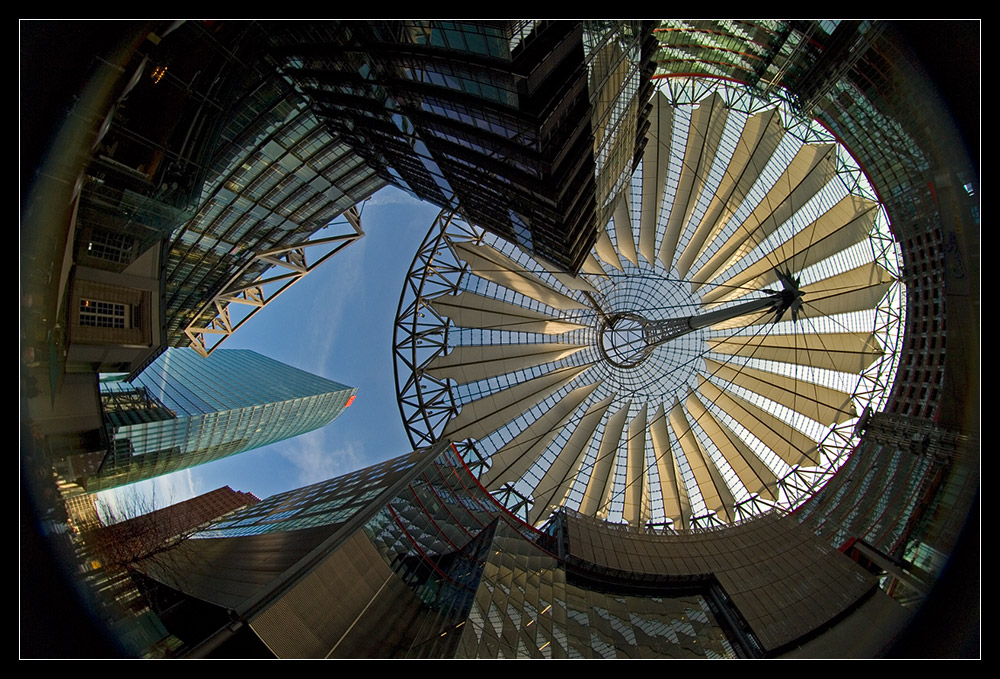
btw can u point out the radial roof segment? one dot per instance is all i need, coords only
(847, 223)
(487, 414)
(842, 352)
(476, 311)
(467, 364)
(664, 385)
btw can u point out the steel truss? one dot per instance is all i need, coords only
(428, 403)
(292, 264)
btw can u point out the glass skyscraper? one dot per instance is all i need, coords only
(184, 410)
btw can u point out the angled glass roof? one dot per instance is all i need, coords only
(555, 387)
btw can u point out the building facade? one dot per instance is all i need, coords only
(908, 488)
(529, 128)
(413, 558)
(192, 185)
(131, 538)
(107, 551)
(278, 200)
(185, 410)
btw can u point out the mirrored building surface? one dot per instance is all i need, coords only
(185, 410)
(528, 127)
(413, 558)
(616, 471)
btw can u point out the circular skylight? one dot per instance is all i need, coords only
(649, 389)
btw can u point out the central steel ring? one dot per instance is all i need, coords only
(622, 340)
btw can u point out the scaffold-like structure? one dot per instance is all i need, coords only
(580, 392)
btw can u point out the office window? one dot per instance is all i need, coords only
(114, 247)
(98, 314)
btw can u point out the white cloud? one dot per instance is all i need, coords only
(335, 288)
(317, 458)
(390, 195)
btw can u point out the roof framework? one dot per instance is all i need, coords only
(286, 266)
(503, 355)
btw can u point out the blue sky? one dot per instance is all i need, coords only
(336, 322)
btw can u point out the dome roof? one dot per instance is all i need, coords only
(599, 393)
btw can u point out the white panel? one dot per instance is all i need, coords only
(791, 445)
(623, 230)
(707, 124)
(810, 170)
(488, 263)
(846, 223)
(761, 136)
(714, 490)
(467, 364)
(469, 310)
(555, 485)
(512, 461)
(484, 416)
(676, 504)
(822, 404)
(847, 352)
(635, 470)
(655, 161)
(597, 496)
(752, 472)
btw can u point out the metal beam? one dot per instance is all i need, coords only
(292, 258)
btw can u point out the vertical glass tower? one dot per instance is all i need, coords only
(529, 128)
(185, 410)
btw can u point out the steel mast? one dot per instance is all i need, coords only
(627, 338)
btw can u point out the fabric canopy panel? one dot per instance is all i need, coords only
(559, 386)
